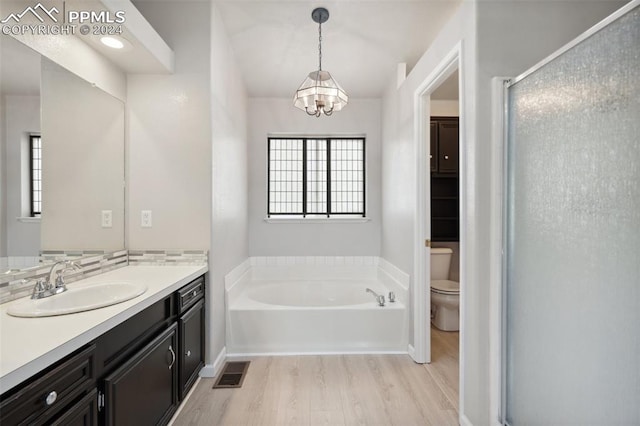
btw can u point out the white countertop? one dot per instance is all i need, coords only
(28, 345)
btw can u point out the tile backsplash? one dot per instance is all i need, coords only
(168, 257)
(17, 284)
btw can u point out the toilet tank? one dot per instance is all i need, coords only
(440, 263)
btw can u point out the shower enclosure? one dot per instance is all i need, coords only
(571, 352)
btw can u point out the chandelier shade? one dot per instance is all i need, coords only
(320, 93)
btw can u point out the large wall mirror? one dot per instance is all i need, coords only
(61, 160)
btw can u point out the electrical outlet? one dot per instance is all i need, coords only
(145, 218)
(107, 218)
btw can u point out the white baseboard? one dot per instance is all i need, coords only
(258, 354)
(212, 370)
(411, 351)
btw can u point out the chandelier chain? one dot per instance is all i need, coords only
(319, 93)
(320, 46)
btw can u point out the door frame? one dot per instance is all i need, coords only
(421, 350)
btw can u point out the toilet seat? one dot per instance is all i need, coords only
(445, 287)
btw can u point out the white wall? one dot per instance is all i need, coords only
(229, 234)
(398, 154)
(278, 116)
(510, 37)
(188, 150)
(444, 108)
(21, 116)
(83, 163)
(169, 135)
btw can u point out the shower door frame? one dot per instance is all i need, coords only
(498, 288)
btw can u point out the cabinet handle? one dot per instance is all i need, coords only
(173, 357)
(430, 156)
(188, 353)
(51, 398)
(194, 293)
(446, 157)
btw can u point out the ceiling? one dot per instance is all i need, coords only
(276, 42)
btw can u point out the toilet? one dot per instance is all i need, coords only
(445, 294)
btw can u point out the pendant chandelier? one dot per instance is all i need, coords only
(320, 93)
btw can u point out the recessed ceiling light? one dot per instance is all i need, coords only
(112, 42)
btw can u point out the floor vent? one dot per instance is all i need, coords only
(232, 375)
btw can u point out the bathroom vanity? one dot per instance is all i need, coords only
(130, 363)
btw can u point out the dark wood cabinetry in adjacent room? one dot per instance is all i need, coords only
(134, 374)
(444, 146)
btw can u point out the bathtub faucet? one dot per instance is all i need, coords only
(379, 297)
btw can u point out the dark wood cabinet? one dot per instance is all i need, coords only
(121, 342)
(144, 390)
(84, 413)
(191, 358)
(47, 396)
(433, 147)
(134, 374)
(444, 145)
(445, 223)
(445, 216)
(190, 294)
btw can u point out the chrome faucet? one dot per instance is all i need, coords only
(49, 287)
(379, 297)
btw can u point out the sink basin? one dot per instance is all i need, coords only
(79, 299)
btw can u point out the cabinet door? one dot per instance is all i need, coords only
(433, 150)
(143, 391)
(191, 346)
(448, 147)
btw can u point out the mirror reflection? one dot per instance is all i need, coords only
(61, 161)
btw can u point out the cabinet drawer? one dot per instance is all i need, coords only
(55, 390)
(190, 294)
(84, 413)
(118, 344)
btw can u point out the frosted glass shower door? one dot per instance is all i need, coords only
(572, 288)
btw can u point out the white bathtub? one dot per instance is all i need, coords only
(314, 316)
(316, 294)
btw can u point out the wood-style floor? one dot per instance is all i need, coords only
(336, 390)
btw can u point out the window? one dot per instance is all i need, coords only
(316, 176)
(35, 150)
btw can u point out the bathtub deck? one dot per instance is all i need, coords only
(336, 390)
